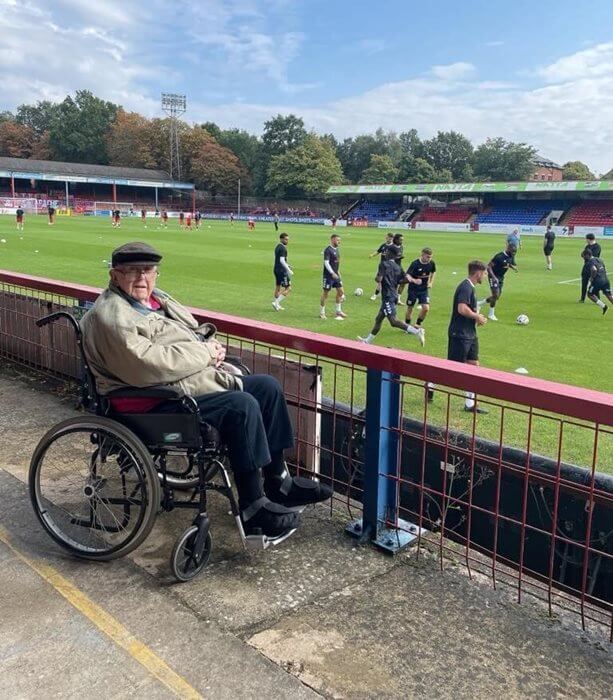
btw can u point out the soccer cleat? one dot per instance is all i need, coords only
(373, 297)
(421, 335)
(341, 314)
(363, 340)
(475, 409)
(322, 314)
(492, 317)
(275, 306)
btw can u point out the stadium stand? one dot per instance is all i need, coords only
(380, 210)
(451, 214)
(594, 213)
(520, 212)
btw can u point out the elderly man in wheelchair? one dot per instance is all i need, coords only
(165, 395)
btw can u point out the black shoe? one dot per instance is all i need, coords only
(475, 409)
(295, 491)
(263, 517)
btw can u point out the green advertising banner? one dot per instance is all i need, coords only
(477, 187)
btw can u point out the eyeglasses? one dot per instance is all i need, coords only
(135, 271)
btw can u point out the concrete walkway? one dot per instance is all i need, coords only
(317, 616)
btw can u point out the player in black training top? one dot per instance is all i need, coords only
(51, 214)
(594, 247)
(596, 273)
(381, 252)
(420, 274)
(389, 276)
(332, 278)
(116, 214)
(496, 270)
(19, 218)
(463, 342)
(282, 272)
(397, 240)
(548, 245)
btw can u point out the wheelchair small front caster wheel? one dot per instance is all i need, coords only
(185, 561)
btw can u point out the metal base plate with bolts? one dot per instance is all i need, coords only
(392, 540)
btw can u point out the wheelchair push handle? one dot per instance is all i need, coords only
(51, 318)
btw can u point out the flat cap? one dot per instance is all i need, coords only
(136, 252)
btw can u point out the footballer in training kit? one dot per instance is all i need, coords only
(548, 245)
(496, 270)
(282, 272)
(598, 281)
(19, 218)
(381, 252)
(389, 276)
(420, 274)
(593, 246)
(463, 342)
(332, 279)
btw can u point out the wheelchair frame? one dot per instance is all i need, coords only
(141, 445)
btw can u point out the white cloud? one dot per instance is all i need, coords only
(593, 62)
(454, 71)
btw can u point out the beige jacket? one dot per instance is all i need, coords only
(127, 344)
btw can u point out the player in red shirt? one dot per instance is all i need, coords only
(251, 224)
(164, 218)
(188, 221)
(143, 216)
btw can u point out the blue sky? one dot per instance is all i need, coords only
(539, 71)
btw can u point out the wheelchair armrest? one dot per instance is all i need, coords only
(150, 392)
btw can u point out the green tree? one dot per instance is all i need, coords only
(6, 116)
(305, 171)
(38, 117)
(576, 170)
(213, 129)
(411, 149)
(281, 133)
(355, 154)
(452, 151)
(501, 160)
(608, 175)
(380, 171)
(79, 128)
(418, 170)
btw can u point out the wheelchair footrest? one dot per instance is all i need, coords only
(259, 542)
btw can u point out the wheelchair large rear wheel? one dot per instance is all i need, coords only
(94, 488)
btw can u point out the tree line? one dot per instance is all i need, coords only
(285, 161)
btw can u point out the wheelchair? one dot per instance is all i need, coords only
(97, 482)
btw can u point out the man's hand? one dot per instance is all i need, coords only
(220, 352)
(417, 281)
(290, 272)
(481, 320)
(334, 276)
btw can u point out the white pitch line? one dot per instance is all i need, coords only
(577, 279)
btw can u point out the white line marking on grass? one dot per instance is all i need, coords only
(577, 279)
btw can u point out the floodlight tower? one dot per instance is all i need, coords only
(174, 105)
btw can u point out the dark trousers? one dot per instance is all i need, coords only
(584, 282)
(253, 423)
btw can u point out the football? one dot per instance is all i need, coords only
(523, 320)
(359, 291)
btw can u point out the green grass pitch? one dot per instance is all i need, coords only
(225, 268)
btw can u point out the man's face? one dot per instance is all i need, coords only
(511, 249)
(480, 275)
(426, 257)
(137, 280)
(336, 240)
(284, 240)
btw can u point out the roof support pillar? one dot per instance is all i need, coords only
(12, 185)
(114, 194)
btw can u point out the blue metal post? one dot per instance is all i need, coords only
(383, 419)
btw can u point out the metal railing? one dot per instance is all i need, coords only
(523, 495)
